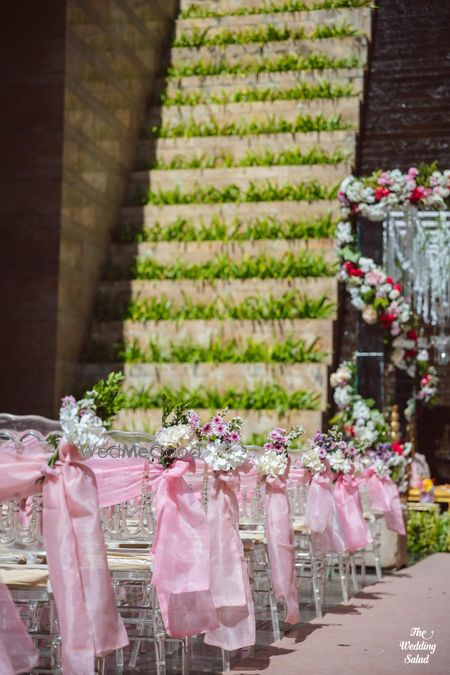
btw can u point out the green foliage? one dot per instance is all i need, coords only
(283, 63)
(289, 350)
(303, 264)
(218, 229)
(428, 532)
(199, 12)
(288, 306)
(260, 439)
(250, 127)
(265, 396)
(256, 192)
(264, 34)
(291, 157)
(302, 91)
(108, 397)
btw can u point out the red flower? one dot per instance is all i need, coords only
(410, 353)
(349, 430)
(411, 334)
(389, 280)
(381, 192)
(417, 194)
(352, 270)
(397, 448)
(398, 288)
(386, 320)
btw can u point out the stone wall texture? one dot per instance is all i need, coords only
(77, 76)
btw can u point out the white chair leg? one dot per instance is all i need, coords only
(185, 656)
(343, 575)
(226, 666)
(353, 572)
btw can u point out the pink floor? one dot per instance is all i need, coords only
(363, 636)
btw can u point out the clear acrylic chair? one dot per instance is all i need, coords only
(129, 528)
(22, 558)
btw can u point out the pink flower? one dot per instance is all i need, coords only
(413, 172)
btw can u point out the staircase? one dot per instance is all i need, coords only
(221, 283)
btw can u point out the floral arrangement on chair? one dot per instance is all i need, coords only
(224, 450)
(331, 452)
(274, 461)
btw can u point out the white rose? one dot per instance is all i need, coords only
(370, 315)
(172, 436)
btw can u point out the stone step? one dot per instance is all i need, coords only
(334, 48)
(358, 18)
(168, 149)
(311, 377)
(119, 293)
(320, 331)
(166, 253)
(190, 179)
(214, 84)
(347, 108)
(146, 216)
(257, 421)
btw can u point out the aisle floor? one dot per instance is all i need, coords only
(398, 625)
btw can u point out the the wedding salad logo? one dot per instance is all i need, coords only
(420, 647)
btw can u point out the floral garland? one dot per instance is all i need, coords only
(375, 195)
(359, 419)
(372, 292)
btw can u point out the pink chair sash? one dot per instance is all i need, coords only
(181, 569)
(280, 544)
(81, 582)
(355, 530)
(321, 516)
(17, 652)
(384, 497)
(230, 584)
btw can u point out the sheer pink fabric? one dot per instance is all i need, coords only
(355, 531)
(181, 566)
(280, 544)
(230, 584)
(384, 497)
(81, 582)
(321, 516)
(17, 652)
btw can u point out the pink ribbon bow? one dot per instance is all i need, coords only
(384, 497)
(280, 544)
(181, 569)
(17, 652)
(81, 582)
(355, 530)
(230, 584)
(321, 516)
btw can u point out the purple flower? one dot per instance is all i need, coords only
(194, 419)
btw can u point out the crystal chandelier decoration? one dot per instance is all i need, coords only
(417, 250)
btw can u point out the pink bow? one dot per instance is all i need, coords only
(181, 569)
(280, 544)
(81, 582)
(321, 516)
(355, 530)
(230, 584)
(384, 497)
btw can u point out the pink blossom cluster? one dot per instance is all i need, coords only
(217, 429)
